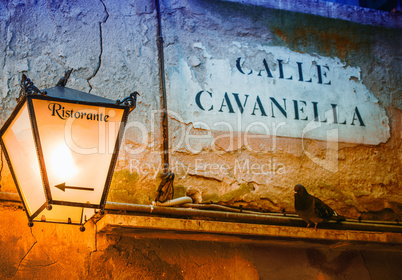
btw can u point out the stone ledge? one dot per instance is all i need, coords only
(204, 230)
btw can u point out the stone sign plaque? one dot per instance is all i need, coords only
(275, 91)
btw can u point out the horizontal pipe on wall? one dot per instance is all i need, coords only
(242, 216)
(263, 218)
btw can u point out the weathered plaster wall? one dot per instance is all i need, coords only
(112, 47)
(358, 180)
(113, 52)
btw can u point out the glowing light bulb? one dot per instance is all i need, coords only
(62, 163)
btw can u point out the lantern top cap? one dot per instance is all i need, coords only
(67, 94)
(75, 95)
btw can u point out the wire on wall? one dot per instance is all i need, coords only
(1, 164)
(165, 189)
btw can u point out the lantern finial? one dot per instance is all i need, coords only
(28, 87)
(130, 101)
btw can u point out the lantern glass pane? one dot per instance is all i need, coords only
(87, 214)
(77, 143)
(19, 142)
(61, 214)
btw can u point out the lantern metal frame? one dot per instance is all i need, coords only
(62, 94)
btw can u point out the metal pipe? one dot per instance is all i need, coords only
(260, 218)
(174, 202)
(196, 213)
(265, 218)
(218, 207)
(162, 91)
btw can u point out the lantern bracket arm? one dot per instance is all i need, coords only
(28, 88)
(130, 101)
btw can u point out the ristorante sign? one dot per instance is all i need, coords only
(279, 92)
(60, 111)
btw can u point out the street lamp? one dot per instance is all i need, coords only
(61, 146)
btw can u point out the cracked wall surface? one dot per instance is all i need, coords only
(54, 251)
(111, 45)
(44, 251)
(210, 152)
(113, 52)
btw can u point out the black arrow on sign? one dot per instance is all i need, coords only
(63, 187)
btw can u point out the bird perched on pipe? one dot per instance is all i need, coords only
(311, 209)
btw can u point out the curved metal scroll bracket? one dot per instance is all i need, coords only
(130, 101)
(166, 189)
(63, 81)
(28, 87)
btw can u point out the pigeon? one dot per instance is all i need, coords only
(311, 209)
